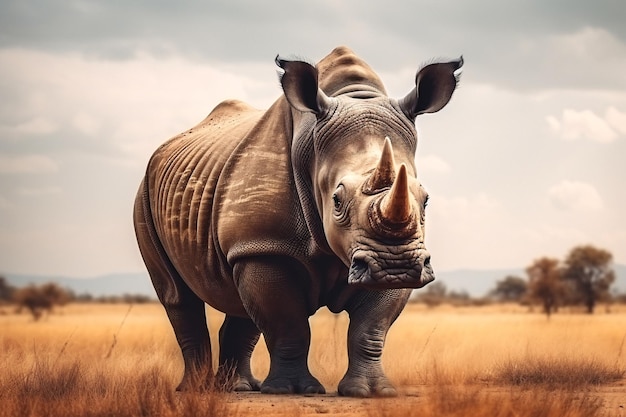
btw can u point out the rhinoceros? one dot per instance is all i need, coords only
(268, 216)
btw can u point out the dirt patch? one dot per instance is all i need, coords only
(441, 401)
(297, 405)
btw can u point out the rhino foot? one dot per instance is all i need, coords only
(229, 379)
(246, 384)
(308, 385)
(363, 387)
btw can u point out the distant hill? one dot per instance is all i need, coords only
(105, 285)
(476, 283)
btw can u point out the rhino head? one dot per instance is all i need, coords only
(354, 153)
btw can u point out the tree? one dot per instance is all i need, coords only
(511, 288)
(56, 295)
(39, 299)
(590, 272)
(434, 294)
(545, 284)
(6, 290)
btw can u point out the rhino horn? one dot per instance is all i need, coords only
(392, 215)
(395, 207)
(384, 174)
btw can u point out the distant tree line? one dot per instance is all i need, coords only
(583, 278)
(40, 299)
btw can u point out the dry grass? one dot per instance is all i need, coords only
(109, 360)
(478, 403)
(565, 372)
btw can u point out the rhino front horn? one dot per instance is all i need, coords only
(395, 207)
(384, 174)
(392, 215)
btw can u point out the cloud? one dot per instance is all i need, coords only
(462, 230)
(39, 191)
(432, 163)
(95, 87)
(616, 119)
(86, 123)
(138, 103)
(538, 44)
(35, 126)
(27, 164)
(585, 124)
(575, 196)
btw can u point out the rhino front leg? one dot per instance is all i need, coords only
(238, 336)
(272, 292)
(371, 316)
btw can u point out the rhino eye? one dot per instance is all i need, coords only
(338, 197)
(336, 201)
(341, 204)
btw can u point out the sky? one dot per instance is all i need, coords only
(527, 160)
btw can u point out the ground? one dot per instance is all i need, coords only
(501, 360)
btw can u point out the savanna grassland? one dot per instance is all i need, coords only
(121, 360)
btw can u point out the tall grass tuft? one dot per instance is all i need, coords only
(460, 401)
(47, 382)
(556, 372)
(72, 390)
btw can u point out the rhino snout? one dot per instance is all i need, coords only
(387, 270)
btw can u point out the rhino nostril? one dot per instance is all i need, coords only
(359, 264)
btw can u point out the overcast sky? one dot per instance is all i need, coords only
(527, 160)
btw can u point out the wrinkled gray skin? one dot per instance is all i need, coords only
(269, 215)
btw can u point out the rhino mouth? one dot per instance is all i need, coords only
(381, 271)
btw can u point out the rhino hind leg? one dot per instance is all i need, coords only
(275, 300)
(186, 312)
(370, 319)
(238, 336)
(189, 324)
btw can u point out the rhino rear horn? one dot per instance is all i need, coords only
(395, 207)
(385, 172)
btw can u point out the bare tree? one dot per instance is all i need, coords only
(589, 270)
(545, 284)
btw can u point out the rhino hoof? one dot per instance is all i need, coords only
(285, 386)
(361, 388)
(386, 392)
(358, 392)
(314, 389)
(265, 389)
(245, 384)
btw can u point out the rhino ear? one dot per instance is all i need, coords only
(434, 85)
(299, 82)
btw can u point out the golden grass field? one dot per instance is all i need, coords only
(121, 360)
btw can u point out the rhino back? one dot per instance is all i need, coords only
(222, 191)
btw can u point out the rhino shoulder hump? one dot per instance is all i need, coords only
(230, 108)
